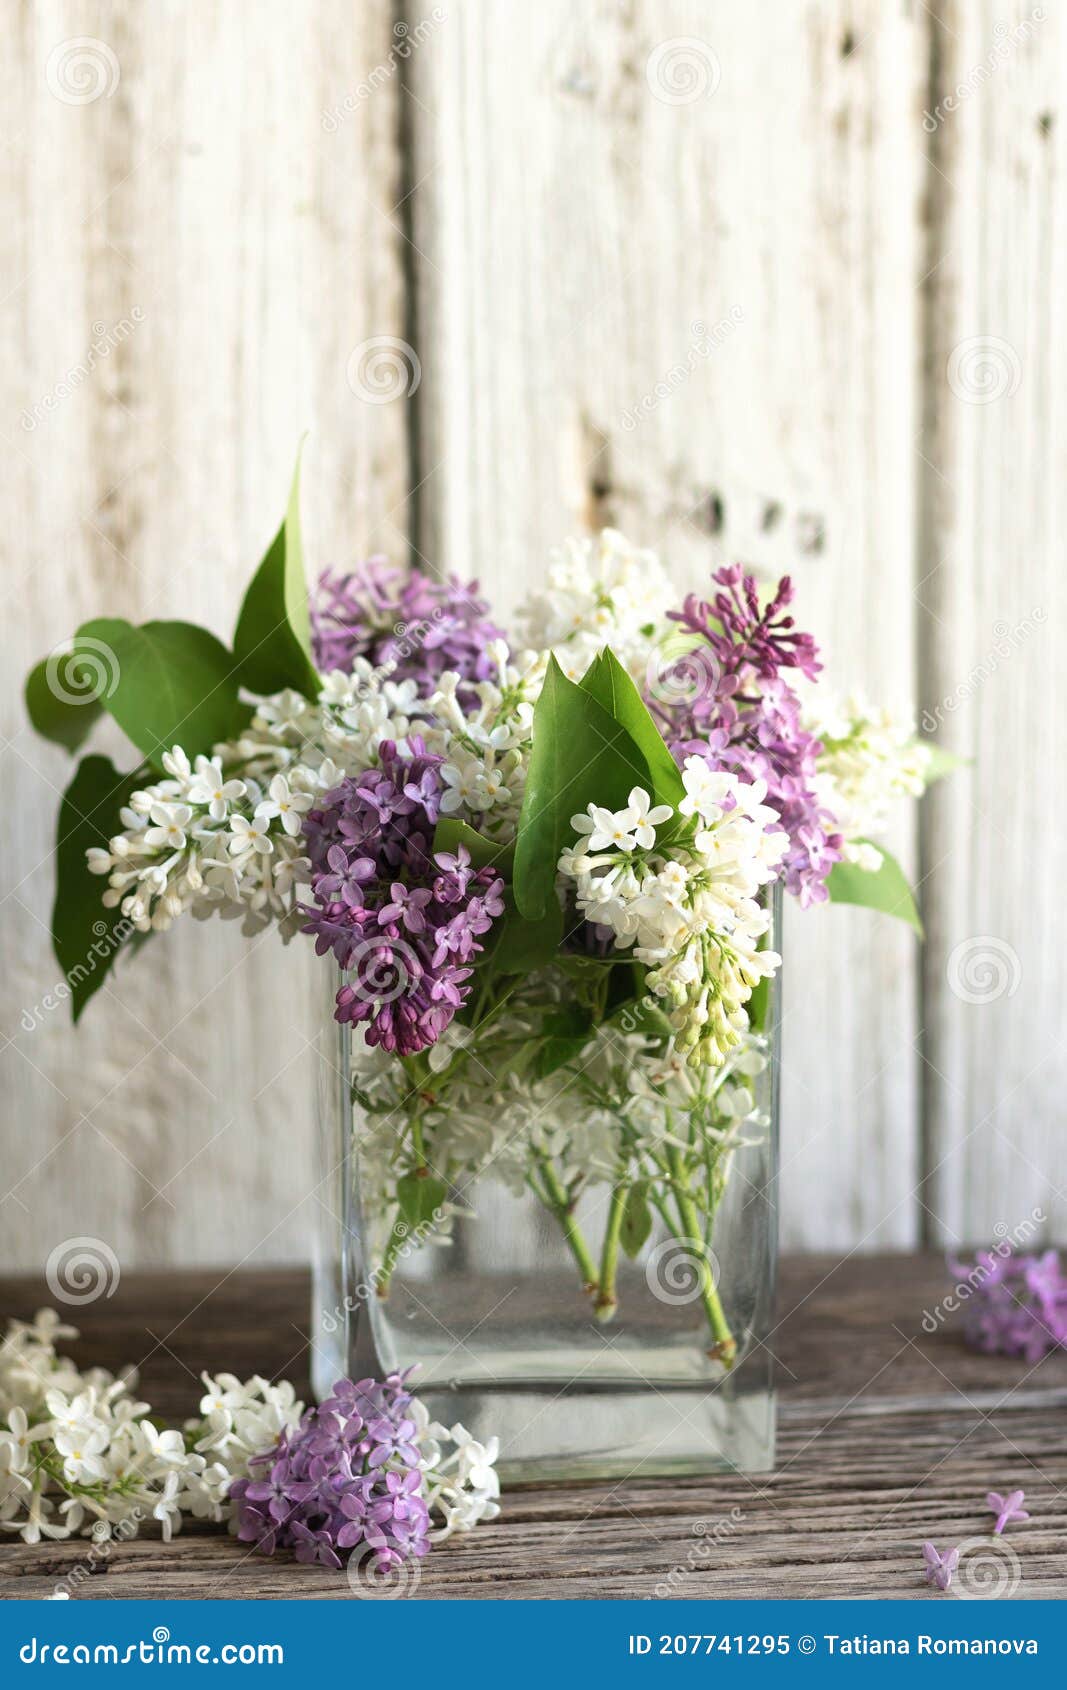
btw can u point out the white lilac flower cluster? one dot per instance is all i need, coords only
(688, 909)
(222, 835)
(486, 745)
(601, 591)
(80, 1455)
(869, 759)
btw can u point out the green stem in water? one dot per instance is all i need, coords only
(555, 1197)
(607, 1302)
(724, 1348)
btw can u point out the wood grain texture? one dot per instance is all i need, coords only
(202, 201)
(889, 1435)
(588, 237)
(993, 595)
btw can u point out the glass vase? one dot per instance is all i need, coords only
(528, 1301)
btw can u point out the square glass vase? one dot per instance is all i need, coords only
(489, 1297)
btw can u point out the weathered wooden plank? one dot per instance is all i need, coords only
(669, 275)
(992, 593)
(222, 243)
(862, 1479)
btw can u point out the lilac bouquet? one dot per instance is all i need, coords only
(541, 866)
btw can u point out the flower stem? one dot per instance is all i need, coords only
(607, 1302)
(555, 1197)
(724, 1348)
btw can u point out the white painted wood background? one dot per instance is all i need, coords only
(555, 206)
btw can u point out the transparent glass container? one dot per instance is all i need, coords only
(505, 1336)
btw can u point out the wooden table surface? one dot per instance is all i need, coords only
(888, 1435)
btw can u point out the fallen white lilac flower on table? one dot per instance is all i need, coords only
(79, 1455)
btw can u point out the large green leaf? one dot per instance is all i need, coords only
(518, 946)
(612, 687)
(581, 755)
(85, 936)
(165, 683)
(63, 697)
(272, 640)
(884, 889)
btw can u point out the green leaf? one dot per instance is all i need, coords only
(640, 1015)
(167, 683)
(63, 698)
(581, 755)
(612, 687)
(419, 1195)
(636, 1220)
(484, 853)
(884, 889)
(86, 937)
(518, 946)
(564, 1035)
(272, 640)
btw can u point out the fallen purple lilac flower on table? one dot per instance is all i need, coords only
(940, 1568)
(362, 1471)
(1016, 1305)
(1006, 1508)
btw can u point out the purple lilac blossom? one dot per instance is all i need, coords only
(403, 920)
(1016, 1305)
(420, 625)
(347, 1478)
(745, 717)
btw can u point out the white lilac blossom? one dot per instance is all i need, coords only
(483, 730)
(600, 592)
(80, 1455)
(868, 760)
(224, 834)
(689, 909)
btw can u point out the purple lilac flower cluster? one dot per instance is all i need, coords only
(1018, 1304)
(745, 717)
(404, 921)
(420, 625)
(347, 1477)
